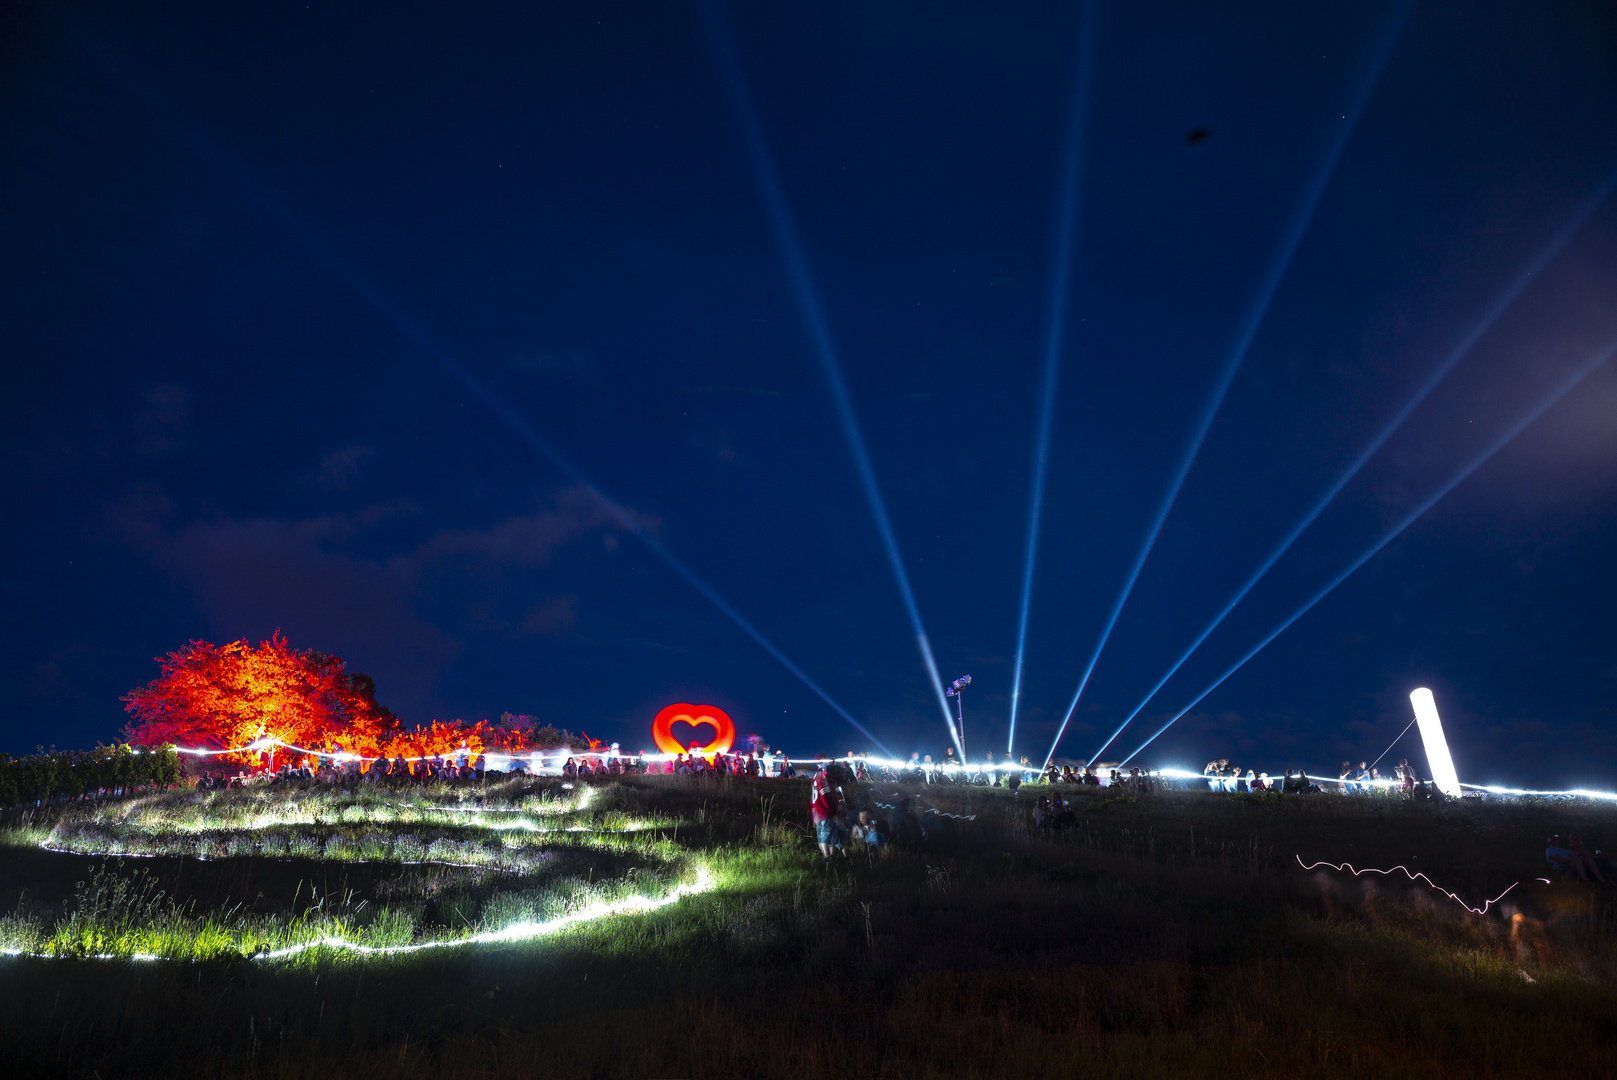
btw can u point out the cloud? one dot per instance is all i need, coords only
(138, 517)
(339, 470)
(162, 425)
(552, 618)
(256, 575)
(524, 541)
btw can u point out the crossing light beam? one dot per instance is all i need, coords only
(1359, 95)
(1055, 332)
(1577, 376)
(808, 302)
(1461, 349)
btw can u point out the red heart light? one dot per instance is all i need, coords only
(724, 729)
(686, 735)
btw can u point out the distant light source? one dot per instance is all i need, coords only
(1437, 747)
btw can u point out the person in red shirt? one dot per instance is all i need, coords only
(825, 803)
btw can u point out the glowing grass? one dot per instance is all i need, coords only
(513, 857)
(120, 911)
(269, 808)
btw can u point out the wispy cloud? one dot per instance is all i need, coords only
(251, 576)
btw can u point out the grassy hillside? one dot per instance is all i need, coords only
(1168, 933)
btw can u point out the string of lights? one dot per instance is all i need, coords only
(951, 770)
(931, 810)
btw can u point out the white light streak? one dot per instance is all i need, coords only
(522, 931)
(1582, 793)
(1437, 747)
(1483, 910)
(91, 956)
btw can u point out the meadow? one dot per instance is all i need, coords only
(1169, 933)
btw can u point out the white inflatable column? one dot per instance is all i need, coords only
(1437, 747)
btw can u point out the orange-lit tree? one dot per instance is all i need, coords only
(437, 738)
(223, 696)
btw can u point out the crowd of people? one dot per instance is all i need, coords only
(1222, 776)
(1090, 776)
(828, 808)
(467, 764)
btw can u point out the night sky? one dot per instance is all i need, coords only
(341, 318)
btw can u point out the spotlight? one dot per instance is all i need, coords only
(956, 690)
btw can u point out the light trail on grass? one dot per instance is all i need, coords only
(930, 810)
(46, 846)
(139, 956)
(808, 301)
(1581, 373)
(521, 931)
(1416, 876)
(1056, 329)
(1583, 793)
(1359, 95)
(1461, 349)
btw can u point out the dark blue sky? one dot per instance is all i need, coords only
(244, 249)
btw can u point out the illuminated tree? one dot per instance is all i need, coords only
(518, 733)
(437, 738)
(224, 696)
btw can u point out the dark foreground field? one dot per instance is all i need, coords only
(1172, 934)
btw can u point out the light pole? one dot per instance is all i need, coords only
(954, 691)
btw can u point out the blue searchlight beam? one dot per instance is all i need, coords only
(808, 301)
(1056, 330)
(1363, 86)
(1409, 519)
(1461, 349)
(413, 332)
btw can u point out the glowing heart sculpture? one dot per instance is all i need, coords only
(724, 729)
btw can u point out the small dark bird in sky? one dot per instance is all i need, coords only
(1196, 136)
